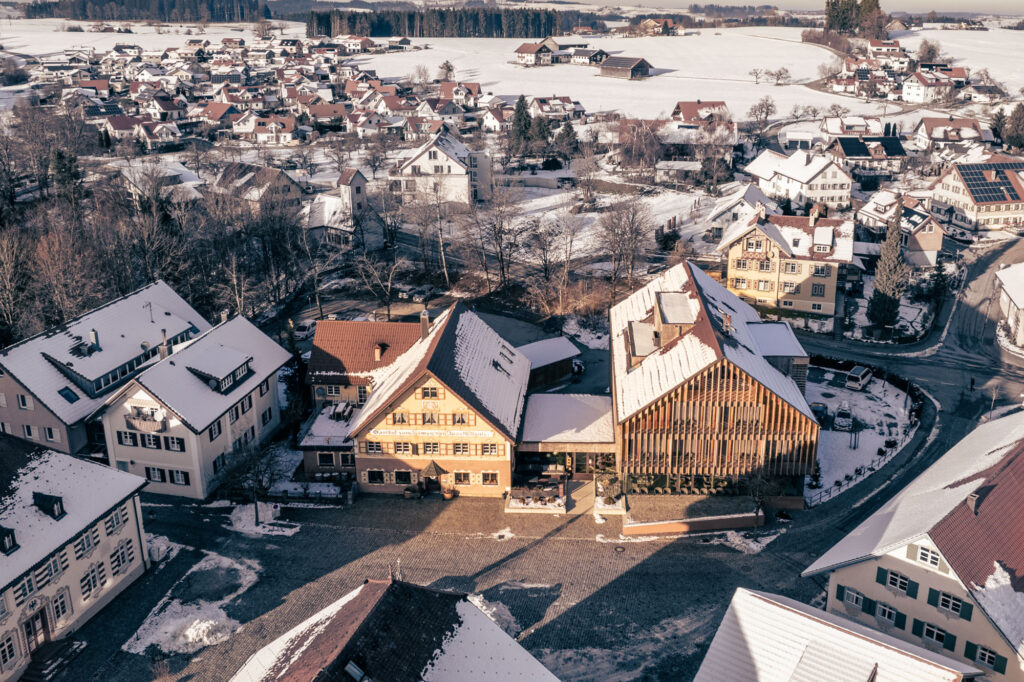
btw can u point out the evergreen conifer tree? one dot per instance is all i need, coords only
(890, 275)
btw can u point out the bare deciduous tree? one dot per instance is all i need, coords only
(379, 277)
(625, 229)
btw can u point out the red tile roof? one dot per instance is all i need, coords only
(342, 348)
(971, 542)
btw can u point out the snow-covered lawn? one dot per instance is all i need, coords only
(191, 615)
(997, 50)
(243, 520)
(881, 408)
(914, 317)
(711, 66)
(596, 340)
(40, 37)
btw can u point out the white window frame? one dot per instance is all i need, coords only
(485, 474)
(885, 612)
(457, 474)
(8, 650)
(897, 581)
(987, 657)
(853, 597)
(928, 556)
(933, 633)
(950, 603)
(177, 477)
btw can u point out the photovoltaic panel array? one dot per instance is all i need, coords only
(999, 188)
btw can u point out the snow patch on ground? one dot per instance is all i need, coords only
(497, 612)
(747, 545)
(914, 317)
(634, 538)
(243, 520)
(883, 410)
(503, 534)
(184, 627)
(588, 337)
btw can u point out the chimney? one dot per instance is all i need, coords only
(813, 216)
(761, 211)
(164, 349)
(378, 352)
(727, 324)
(972, 502)
(424, 323)
(94, 339)
(224, 315)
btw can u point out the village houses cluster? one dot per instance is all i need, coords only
(708, 393)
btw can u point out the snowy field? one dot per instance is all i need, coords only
(41, 37)
(881, 408)
(998, 50)
(711, 66)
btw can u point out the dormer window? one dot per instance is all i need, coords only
(51, 505)
(7, 541)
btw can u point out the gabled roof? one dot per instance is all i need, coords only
(547, 351)
(343, 351)
(399, 632)
(88, 491)
(624, 63)
(696, 111)
(871, 147)
(771, 638)
(468, 357)
(801, 166)
(126, 328)
(968, 504)
(703, 345)
(532, 48)
(1012, 279)
(796, 235)
(178, 380)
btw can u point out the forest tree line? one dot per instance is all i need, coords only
(437, 23)
(155, 10)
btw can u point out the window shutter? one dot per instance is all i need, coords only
(471, 420)
(912, 552)
(901, 620)
(1000, 665)
(966, 610)
(390, 419)
(970, 650)
(949, 642)
(917, 628)
(440, 394)
(868, 606)
(417, 394)
(933, 597)
(912, 589)
(881, 576)
(414, 449)
(840, 592)
(363, 477)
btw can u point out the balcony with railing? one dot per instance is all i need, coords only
(146, 421)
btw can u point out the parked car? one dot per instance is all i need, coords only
(820, 411)
(423, 294)
(844, 418)
(305, 329)
(858, 378)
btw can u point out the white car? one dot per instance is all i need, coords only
(305, 329)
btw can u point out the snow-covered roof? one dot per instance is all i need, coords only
(330, 428)
(1012, 280)
(87, 490)
(568, 418)
(396, 631)
(795, 235)
(775, 339)
(771, 638)
(328, 210)
(454, 149)
(705, 343)
(547, 351)
(802, 166)
(126, 328)
(467, 356)
(744, 198)
(917, 508)
(218, 352)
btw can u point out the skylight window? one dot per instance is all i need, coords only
(68, 394)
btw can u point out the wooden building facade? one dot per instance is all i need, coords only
(720, 423)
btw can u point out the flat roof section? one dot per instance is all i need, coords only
(568, 418)
(548, 351)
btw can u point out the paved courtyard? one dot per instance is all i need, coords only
(588, 603)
